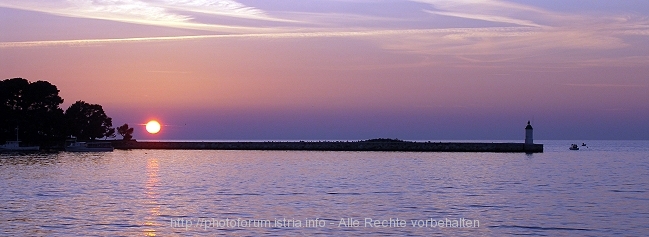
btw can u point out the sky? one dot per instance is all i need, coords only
(342, 69)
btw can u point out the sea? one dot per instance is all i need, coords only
(600, 190)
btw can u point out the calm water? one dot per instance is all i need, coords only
(602, 190)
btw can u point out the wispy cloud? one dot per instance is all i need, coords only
(608, 85)
(220, 7)
(366, 33)
(534, 35)
(491, 18)
(485, 10)
(518, 32)
(150, 12)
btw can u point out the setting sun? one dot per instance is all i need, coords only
(153, 127)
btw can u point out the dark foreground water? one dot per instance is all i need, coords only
(602, 190)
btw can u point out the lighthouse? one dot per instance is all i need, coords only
(528, 133)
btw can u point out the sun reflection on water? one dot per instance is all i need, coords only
(152, 195)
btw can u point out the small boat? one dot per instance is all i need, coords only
(15, 146)
(583, 144)
(574, 147)
(89, 147)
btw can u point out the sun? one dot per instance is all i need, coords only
(153, 127)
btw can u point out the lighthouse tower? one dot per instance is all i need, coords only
(528, 134)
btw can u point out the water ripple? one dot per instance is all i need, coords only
(131, 193)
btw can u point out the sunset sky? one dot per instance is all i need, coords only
(342, 69)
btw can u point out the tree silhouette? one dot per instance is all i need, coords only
(88, 121)
(32, 106)
(125, 132)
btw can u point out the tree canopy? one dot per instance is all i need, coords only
(32, 106)
(125, 132)
(88, 121)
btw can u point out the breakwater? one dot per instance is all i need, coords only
(337, 146)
